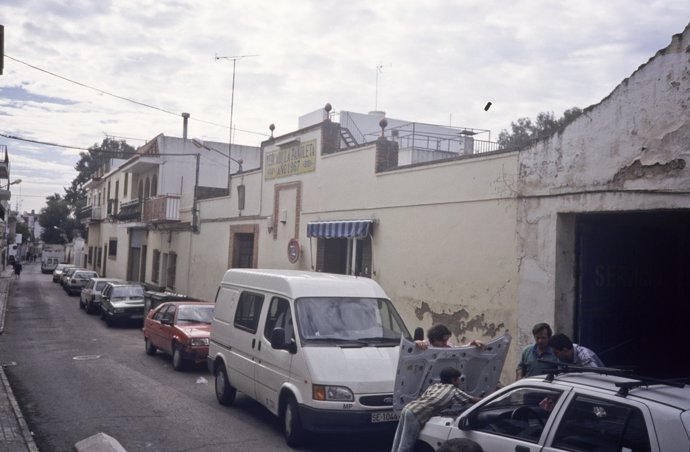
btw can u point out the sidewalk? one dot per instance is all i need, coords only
(15, 435)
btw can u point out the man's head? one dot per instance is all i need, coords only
(460, 445)
(450, 376)
(542, 333)
(562, 347)
(438, 335)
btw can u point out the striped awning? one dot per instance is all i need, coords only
(348, 229)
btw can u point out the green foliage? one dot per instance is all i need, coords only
(525, 132)
(55, 221)
(89, 162)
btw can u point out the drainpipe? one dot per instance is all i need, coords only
(195, 214)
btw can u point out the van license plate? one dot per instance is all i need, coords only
(384, 416)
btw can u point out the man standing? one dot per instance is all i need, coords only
(574, 354)
(529, 360)
(416, 413)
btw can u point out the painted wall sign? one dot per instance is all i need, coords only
(290, 160)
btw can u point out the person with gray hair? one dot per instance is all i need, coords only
(416, 413)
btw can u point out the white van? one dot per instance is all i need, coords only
(319, 350)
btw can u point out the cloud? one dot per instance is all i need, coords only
(18, 93)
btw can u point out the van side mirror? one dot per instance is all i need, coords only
(278, 341)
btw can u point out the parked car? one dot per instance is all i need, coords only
(318, 350)
(152, 299)
(57, 273)
(583, 409)
(77, 280)
(90, 297)
(180, 329)
(67, 274)
(122, 301)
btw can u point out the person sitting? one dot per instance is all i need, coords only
(432, 401)
(573, 354)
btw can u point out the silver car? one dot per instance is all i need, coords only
(90, 297)
(584, 409)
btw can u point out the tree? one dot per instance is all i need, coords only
(23, 229)
(55, 221)
(88, 164)
(524, 132)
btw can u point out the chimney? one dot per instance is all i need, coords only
(185, 119)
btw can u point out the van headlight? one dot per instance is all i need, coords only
(332, 393)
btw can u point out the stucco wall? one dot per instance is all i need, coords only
(627, 153)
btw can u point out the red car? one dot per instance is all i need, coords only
(180, 329)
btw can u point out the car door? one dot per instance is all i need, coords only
(158, 329)
(273, 366)
(517, 419)
(596, 421)
(167, 328)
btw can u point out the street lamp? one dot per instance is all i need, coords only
(16, 181)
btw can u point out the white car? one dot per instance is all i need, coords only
(584, 409)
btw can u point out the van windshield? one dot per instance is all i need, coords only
(343, 320)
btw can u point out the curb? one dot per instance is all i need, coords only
(26, 433)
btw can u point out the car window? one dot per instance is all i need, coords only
(169, 313)
(195, 314)
(134, 292)
(521, 413)
(158, 315)
(248, 311)
(100, 285)
(595, 424)
(279, 316)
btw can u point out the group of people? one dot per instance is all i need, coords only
(549, 349)
(536, 359)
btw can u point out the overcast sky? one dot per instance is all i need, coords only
(439, 62)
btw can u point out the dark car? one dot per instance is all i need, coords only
(122, 301)
(180, 329)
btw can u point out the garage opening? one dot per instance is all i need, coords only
(633, 290)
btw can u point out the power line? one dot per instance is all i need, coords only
(142, 104)
(12, 137)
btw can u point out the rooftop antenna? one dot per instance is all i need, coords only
(232, 105)
(379, 70)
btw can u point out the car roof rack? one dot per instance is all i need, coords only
(623, 387)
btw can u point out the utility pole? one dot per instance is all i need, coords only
(232, 107)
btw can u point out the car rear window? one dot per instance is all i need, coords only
(128, 292)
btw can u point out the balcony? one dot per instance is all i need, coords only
(161, 209)
(130, 211)
(92, 213)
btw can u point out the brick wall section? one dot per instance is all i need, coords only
(386, 155)
(330, 137)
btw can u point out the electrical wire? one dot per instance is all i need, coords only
(142, 104)
(13, 137)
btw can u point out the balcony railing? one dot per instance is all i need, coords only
(161, 209)
(93, 213)
(130, 211)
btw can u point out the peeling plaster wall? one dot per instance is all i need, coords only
(627, 153)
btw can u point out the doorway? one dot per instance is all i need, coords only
(633, 284)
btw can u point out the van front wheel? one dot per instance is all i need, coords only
(292, 426)
(224, 392)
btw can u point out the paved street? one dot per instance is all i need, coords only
(74, 377)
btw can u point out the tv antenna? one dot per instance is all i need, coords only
(379, 70)
(234, 60)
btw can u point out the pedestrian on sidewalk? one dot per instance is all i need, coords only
(17, 269)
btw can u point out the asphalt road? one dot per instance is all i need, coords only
(74, 377)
